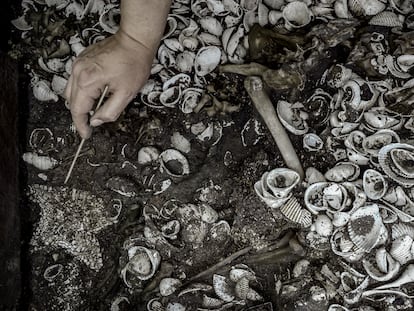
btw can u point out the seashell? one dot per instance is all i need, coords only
(41, 139)
(40, 162)
(407, 276)
(236, 274)
(396, 162)
(190, 98)
(388, 268)
(211, 25)
(108, 19)
(220, 232)
(340, 219)
(142, 264)
(76, 9)
(312, 142)
(291, 118)
(386, 19)
(241, 288)
(401, 249)
(208, 214)
(21, 24)
(249, 5)
(322, 225)
(249, 19)
(402, 6)
(181, 80)
(296, 15)
(76, 45)
(175, 306)
(405, 62)
(374, 184)
(359, 94)
(232, 21)
(165, 56)
(147, 155)
(122, 185)
(300, 268)
(253, 295)
(337, 75)
(173, 44)
(366, 7)
(341, 9)
(323, 196)
(294, 212)
(401, 229)
(180, 143)
(210, 302)
(117, 301)
(171, 229)
(377, 120)
(343, 171)
(336, 307)
(274, 17)
(373, 143)
(53, 65)
(274, 4)
(42, 91)
(168, 286)
(314, 176)
(206, 60)
(231, 44)
(281, 181)
(366, 229)
(170, 97)
(185, 61)
(263, 14)
(52, 272)
(342, 246)
(58, 84)
(174, 163)
(209, 39)
(394, 69)
(222, 288)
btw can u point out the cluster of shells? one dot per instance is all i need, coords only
(360, 209)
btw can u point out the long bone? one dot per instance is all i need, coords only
(255, 89)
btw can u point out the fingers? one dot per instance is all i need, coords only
(111, 109)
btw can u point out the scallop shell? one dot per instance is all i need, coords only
(401, 249)
(168, 286)
(374, 183)
(343, 171)
(291, 118)
(386, 19)
(42, 91)
(366, 229)
(210, 302)
(174, 163)
(294, 212)
(390, 168)
(222, 288)
(401, 229)
(41, 162)
(281, 181)
(296, 15)
(206, 60)
(242, 287)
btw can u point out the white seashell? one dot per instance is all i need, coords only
(322, 196)
(241, 288)
(263, 191)
(293, 211)
(323, 225)
(402, 6)
(75, 8)
(185, 61)
(281, 181)
(237, 274)
(107, 19)
(366, 7)
(173, 44)
(291, 118)
(343, 171)
(337, 75)
(175, 306)
(168, 286)
(220, 232)
(263, 14)
(222, 288)
(336, 307)
(253, 295)
(208, 214)
(407, 276)
(401, 229)
(296, 15)
(233, 41)
(274, 4)
(341, 9)
(231, 20)
(52, 272)
(182, 80)
(373, 143)
(171, 229)
(209, 39)
(190, 98)
(405, 62)
(211, 25)
(171, 96)
(386, 19)
(312, 142)
(300, 268)
(216, 7)
(41, 162)
(42, 91)
(366, 229)
(147, 155)
(210, 302)
(180, 143)
(249, 19)
(174, 163)
(314, 176)
(353, 89)
(374, 183)
(388, 268)
(401, 249)
(58, 84)
(340, 219)
(249, 5)
(206, 60)
(394, 69)
(76, 45)
(274, 17)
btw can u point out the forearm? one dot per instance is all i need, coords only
(144, 20)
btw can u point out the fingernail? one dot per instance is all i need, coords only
(96, 122)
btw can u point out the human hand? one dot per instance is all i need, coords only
(120, 62)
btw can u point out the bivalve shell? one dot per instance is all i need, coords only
(374, 183)
(168, 286)
(174, 163)
(281, 181)
(397, 160)
(401, 249)
(41, 162)
(294, 212)
(343, 171)
(222, 288)
(386, 19)
(206, 60)
(296, 15)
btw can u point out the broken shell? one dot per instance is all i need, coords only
(396, 160)
(401, 229)
(291, 117)
(405, 62)
(401, 249)
(388, 268)
(142, 264)
(337, 75)
(21, 24)
(171, 96)
(108, 19)
(168, 286)
(180, 143)
(210, 302)
(386, 19)
(281, 181)
(206, 60)
(237, 274)
(122, 185)
(340, 219)
(314, 176)
(296, 15)
(300, 268)
(171, 229)
(175, 306)
(312, 142)
(366, 229)
(323, 225)
(374, 183)
(174, 163)
(190, 99)
(41, 162)
(147, 155)
(294, 212)
(406, 277)
(185, 61)
(241, 288)
(208, 214)
(323, 196)
(375, 120)
(343, 171)
(220, 232)
(42, 91)
(373, 143)
(249, 5)
(222, 288)
(52, 272)
(366, 7)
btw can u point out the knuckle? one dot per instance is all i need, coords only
(110, 117)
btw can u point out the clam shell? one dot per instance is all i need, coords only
(323, 225)
(222, 288)
(401, 229)
(290, 118)
(206, 60)
(274, 4)
(249, 5)
(313, 176)
(40, 162)
(175, 306)
(236, 274)
(174, 163)
(365, 227)
(387, 269)
(147, 155)
(281, 181)
(374, 184)
(405, 62)
(42, 91)
(21, 24)
(168, 286)
(185, 61)
(323, 196)
(263, 191)
(337, 75)
(386, 19)
(208, 214)
(170, 97)
(211, 25)
(404, 161)
(391, 168)
(143, 263)
(294, 212)
(296, 15)
(343, 171)
(171, 229)
(58, 84)
(373, 143)
(401, 249)
(366, 7)
(263, 14)
(312, 142)
(180, 142)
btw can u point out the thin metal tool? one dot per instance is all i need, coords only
(83, 139)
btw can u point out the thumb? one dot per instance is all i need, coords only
(110, 110)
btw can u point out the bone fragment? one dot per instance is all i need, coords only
(255, 88)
